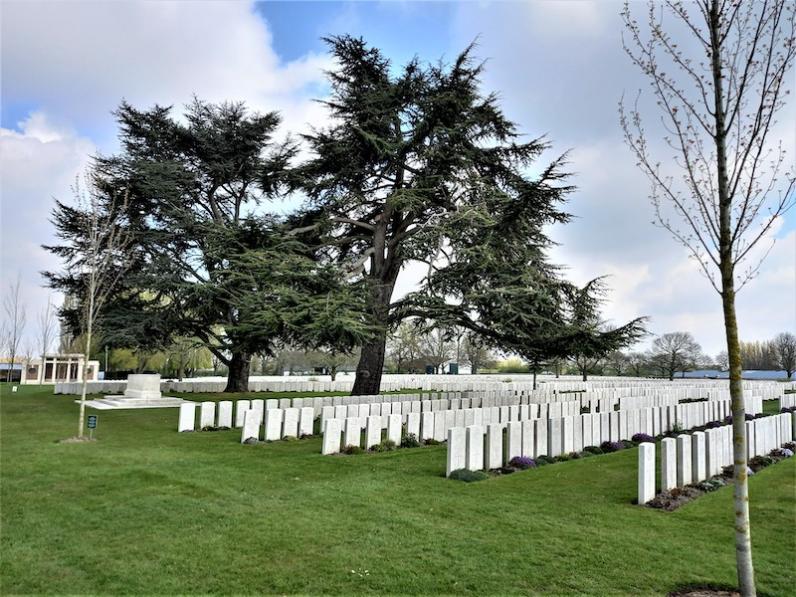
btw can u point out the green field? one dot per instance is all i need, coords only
(148, 510)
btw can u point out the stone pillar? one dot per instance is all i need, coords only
(646, 472)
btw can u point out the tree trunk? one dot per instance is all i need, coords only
(333, 372)
(743, 536)
(238, 376)
(87, 352)
(369, 368)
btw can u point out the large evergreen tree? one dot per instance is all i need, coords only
(211, 264)
(415, 166)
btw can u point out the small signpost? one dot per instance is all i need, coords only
(92, 425)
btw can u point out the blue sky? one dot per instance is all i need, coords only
(558, 67)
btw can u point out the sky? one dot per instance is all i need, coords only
(558, 67)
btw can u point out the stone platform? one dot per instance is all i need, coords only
(143, 391)
(123, 402)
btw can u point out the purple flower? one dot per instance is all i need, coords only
(612, 446)
(642, 438)
(522, 462)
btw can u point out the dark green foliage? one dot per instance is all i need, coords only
(468, 476)
(410, 441)
(209, 263)
(593, 449)
(419, 158)
(352, 450)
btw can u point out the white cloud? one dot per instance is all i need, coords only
(560, 69)
(37, 163)
(79, 59)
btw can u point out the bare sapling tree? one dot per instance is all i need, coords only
(99, 257)
(718, 70)
(15, 320)
(48, 330)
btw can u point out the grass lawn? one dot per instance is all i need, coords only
(148, 510)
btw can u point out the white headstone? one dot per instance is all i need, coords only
(290, 422)
(373, 431)
(413, 425)
(474, 460)
(207, 415)
(494, 446)
(225, 414)
(394, 429)
(698, 457)
(554, 443)
(251, 426)
(306, 420)
(427, 426)
(273, 424)
(668, 463)
(457, 450)
(353, 432)
(241, 406)
(646, 472)
(187, 417)
(684, 474)
(331, 437)
(513, 445)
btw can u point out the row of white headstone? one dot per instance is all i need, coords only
(526, 433)
(340, 433)
(788, 401)
(535, 437)
(691, 458)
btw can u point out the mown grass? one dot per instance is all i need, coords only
(147, 510)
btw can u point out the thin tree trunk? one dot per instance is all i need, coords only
(238, 375)
(87, 351)
(743, 537)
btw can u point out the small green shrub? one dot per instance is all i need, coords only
(387, 446)
(468, 476)
(562, 458)
(544, 459)
(432, 442)
(410, 441)
(593, 449)
(352, 450)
